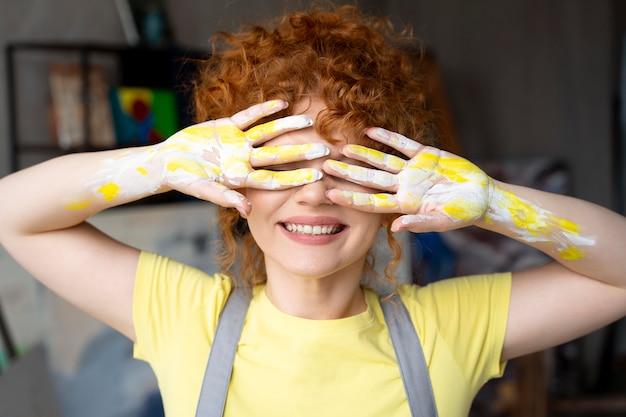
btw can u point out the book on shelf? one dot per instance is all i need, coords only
(70, 107)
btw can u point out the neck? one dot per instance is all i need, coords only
(327, 298)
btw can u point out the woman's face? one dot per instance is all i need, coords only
(300, 231)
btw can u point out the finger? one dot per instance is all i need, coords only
(278, 180)
(219, 194)
(246, 117)
(375, 158)
(422, 223)
(400, 143)
(266, 131)
(373, 178)
(371, 203)
(283, 154)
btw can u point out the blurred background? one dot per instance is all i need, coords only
(531, 89)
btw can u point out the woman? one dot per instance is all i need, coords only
(329, 156)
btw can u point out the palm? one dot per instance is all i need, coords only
(432, 191)
(208, 160)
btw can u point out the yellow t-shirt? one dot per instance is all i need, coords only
(289, 366)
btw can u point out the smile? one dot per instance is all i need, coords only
(313, 230)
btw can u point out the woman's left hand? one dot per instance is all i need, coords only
(433, 190)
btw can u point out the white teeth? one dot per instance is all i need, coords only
(307, 229)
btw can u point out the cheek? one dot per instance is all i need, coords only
(371, 225)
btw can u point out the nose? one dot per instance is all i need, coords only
(314, 194)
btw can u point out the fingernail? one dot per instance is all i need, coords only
(381, 132)
(294, 122)
(277, 103)
(242, 213)
(316, 150)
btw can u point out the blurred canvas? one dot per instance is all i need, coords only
(143, 116)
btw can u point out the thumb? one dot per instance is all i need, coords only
(422, 223)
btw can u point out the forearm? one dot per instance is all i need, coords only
(580, 235)
(65, 191)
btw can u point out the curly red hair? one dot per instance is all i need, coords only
(367, 73)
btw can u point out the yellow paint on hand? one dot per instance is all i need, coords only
(457, 169)
(265, 129)
(351, 171)
(176, 146)
(377, 157)
(384, 201)
(235, 167)
(286, 153)
(275, 179)
(379, 200)
(186, 165)
(461, 209)
(109, 191)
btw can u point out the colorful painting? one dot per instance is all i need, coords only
(143, 116)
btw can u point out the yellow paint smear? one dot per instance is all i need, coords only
(235, 167)
(78, 204)
(142, 170)
(191, 167)
(426, 161)
(284, 153)
(384, 201)
(378, 157)
(541, 223)
(567, 225)
(346, 169)
(295, 177)
(109, 191)
(572, 254)
(176, 146)
(259, 131)
(374, 200)
(524, 215)
(462, 209)
(457, 169)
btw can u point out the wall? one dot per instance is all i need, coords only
(528, 78)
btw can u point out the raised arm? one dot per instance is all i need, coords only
(583, 290)
(44, 208)
(432, 190)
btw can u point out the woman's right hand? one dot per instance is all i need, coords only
(210, 160)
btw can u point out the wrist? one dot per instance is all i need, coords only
(124, 176)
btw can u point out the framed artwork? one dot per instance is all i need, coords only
(143, 116)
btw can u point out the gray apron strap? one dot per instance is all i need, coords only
(405, 341)
(410, 357)
(220, 364)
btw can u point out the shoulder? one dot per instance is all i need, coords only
(168, 288)
(454, 305)
(172, 299)
(462, 321)
(459, 289)
(153, 269)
